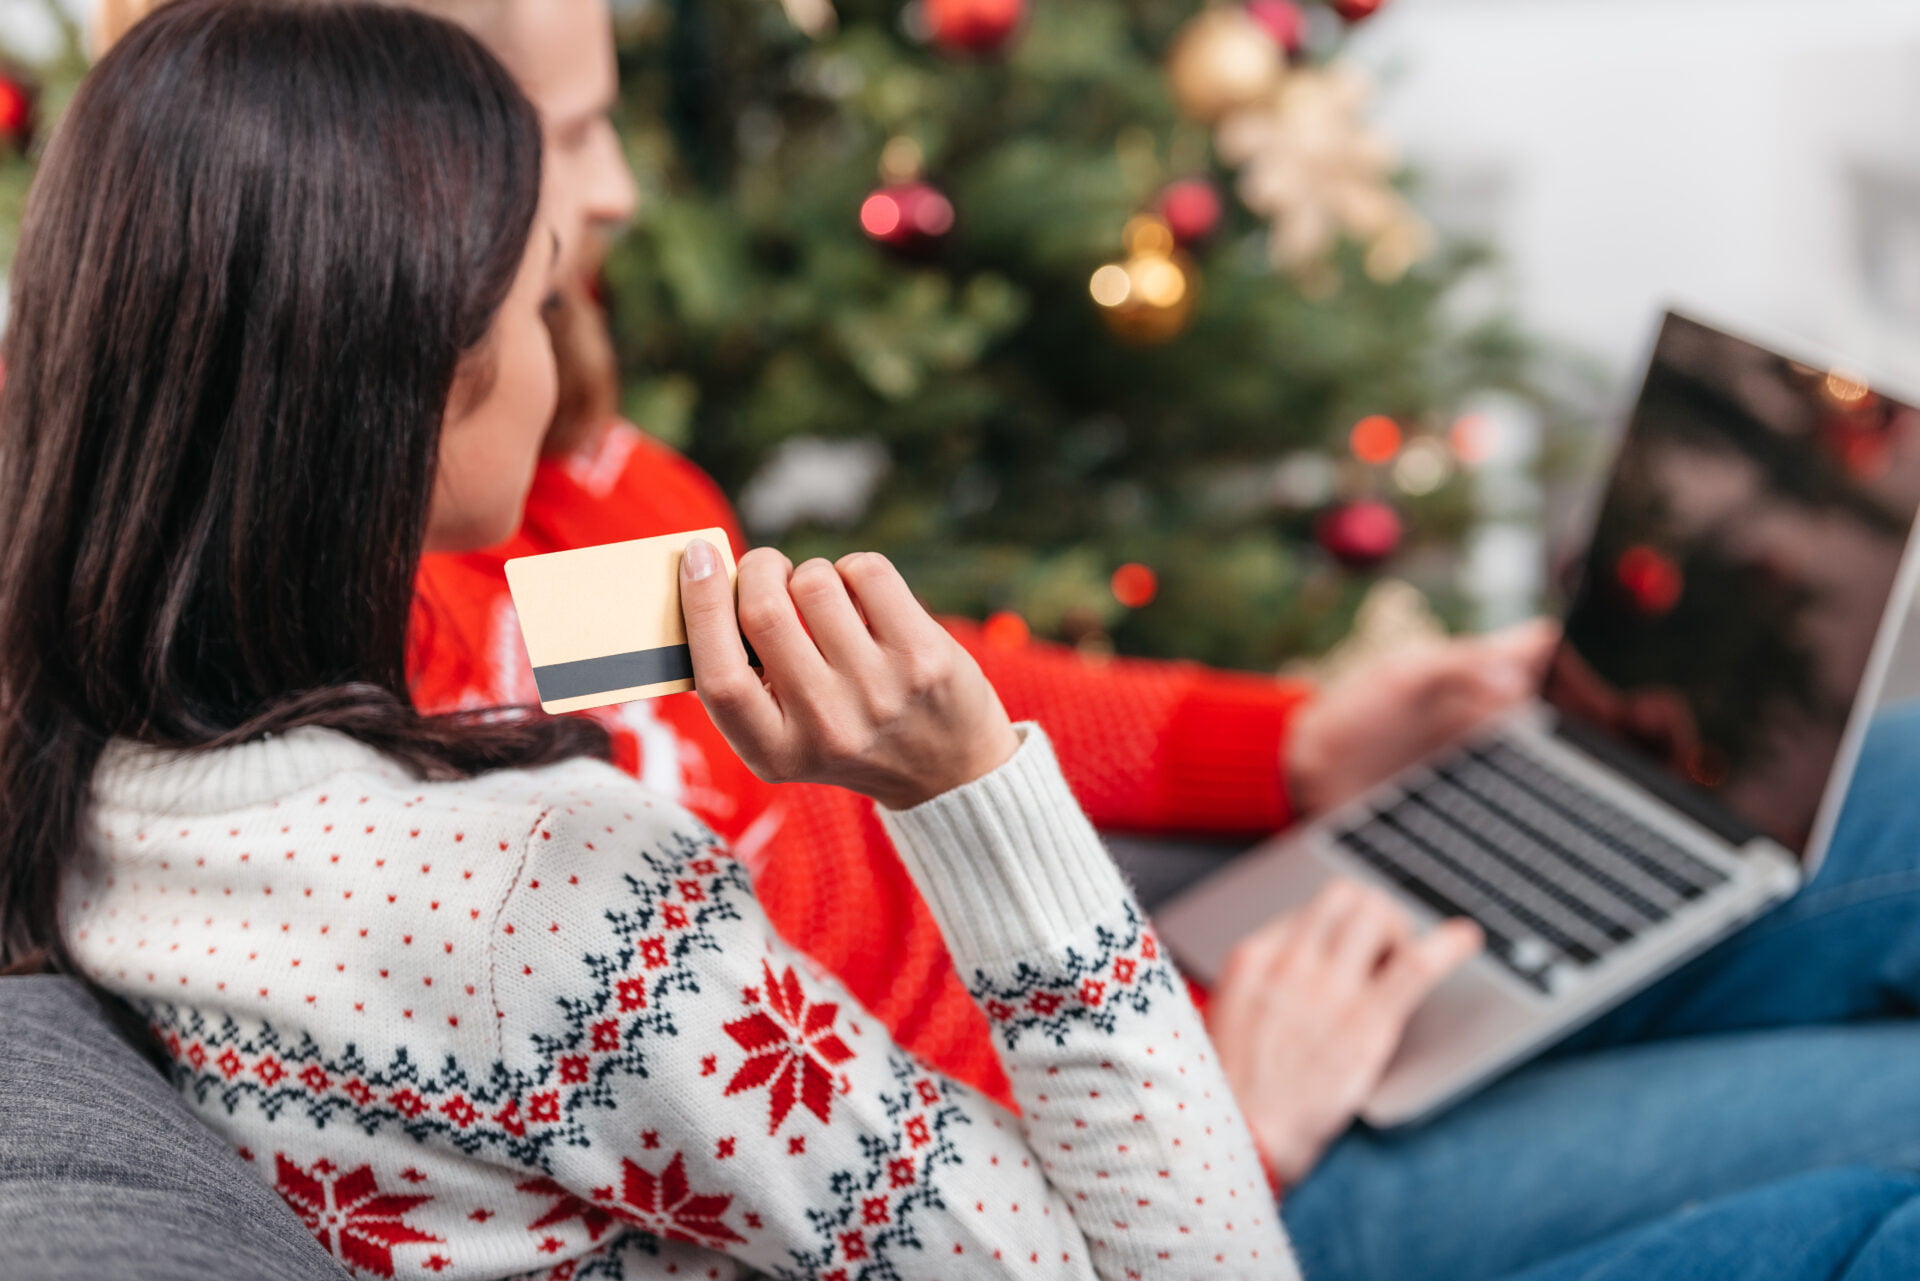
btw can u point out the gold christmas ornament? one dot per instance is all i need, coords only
(1149, 297)
(1220, 60)
(1311, 163)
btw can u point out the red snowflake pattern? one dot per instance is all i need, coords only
(792, 1047)
(566, 1207)
(350, 1216)
(664, 1204)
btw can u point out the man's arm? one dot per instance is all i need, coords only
(1153, 746)
(1178, 747)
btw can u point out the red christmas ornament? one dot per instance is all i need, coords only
(1358, 10)
(1359, 534)
(974, 26)
(1191, 209)
(16, 113)
(1284, 21)
(908, 216)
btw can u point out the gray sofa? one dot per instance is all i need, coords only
(105, 1174)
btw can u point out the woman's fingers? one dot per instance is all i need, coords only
(1325, 915)
(1248, 979)
(899, 713)
(894, 616)
(788, 656)
(1420, 966)
(827, 610)
(1372, 930)
(734, 695)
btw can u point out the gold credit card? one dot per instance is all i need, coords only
(603, 624)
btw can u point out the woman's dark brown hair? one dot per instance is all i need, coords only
(261, 245)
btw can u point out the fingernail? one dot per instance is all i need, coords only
(699, 561)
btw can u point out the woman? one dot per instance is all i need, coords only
(474, 1002)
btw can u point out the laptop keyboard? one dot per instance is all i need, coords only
(1557, 876)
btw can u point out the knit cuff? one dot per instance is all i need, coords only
(1008, 864)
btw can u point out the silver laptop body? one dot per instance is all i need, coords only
(1683, 769)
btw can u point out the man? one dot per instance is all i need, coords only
(1149, 747)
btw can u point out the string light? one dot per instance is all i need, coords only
(1111, 285)
(1134, 585)
(1472, 438)
(901, 160)
(1159, 282)
(1423, 467)
(1006, 630)
(1376, 439)
(1145, 234)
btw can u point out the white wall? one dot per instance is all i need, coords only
(1720, 152)
(29, 29)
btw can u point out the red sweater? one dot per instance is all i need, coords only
(1147, 746)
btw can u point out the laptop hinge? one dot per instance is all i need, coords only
(1696, 805)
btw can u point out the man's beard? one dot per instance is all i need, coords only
(589, 372)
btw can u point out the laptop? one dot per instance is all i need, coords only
(1726, 633)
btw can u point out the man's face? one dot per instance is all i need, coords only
(561, 53)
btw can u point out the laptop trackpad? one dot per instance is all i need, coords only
(1446, 1049)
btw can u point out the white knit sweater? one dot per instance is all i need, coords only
(536, 1023)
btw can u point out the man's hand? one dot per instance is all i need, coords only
(1376, 722)
(1310, 1010)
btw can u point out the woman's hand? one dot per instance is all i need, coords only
(1309, 1011)
(858, 686)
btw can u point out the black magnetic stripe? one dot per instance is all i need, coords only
(613, 671)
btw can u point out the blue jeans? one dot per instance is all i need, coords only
(1829, 1225)
(1782, 1062)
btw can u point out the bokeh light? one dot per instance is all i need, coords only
(1376, 439)
(1006, 630)
(881, 215)
(1111, 285)
(1472, 438)
(1135, 585)
(1650, 578)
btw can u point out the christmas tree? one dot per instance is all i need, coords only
(1106, 317)
(41, 62)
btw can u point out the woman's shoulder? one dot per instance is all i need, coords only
(342, 896)
(314, 767)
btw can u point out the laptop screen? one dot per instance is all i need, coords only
(1746, 550)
